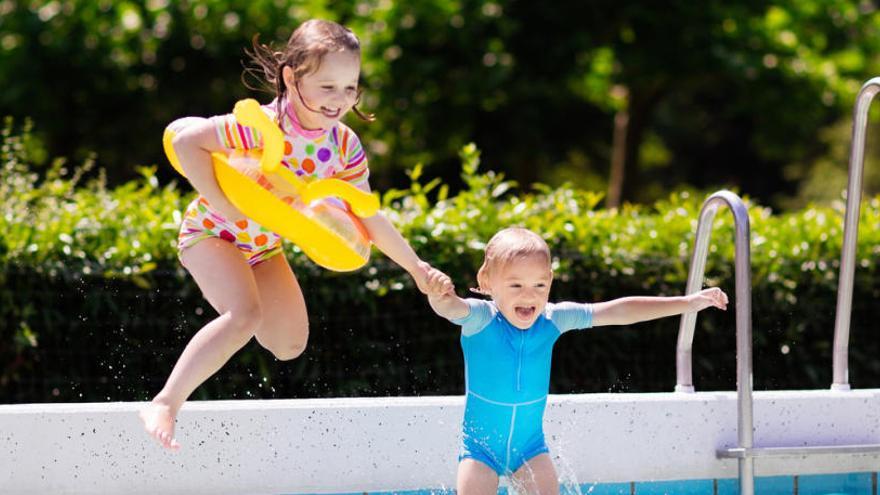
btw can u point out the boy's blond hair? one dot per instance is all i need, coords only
(507, 245)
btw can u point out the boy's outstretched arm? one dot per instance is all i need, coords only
(628, 310)
(442, 298)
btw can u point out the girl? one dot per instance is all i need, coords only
(508, 344)
(234, 261)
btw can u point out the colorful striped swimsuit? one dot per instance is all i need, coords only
(507, 379)
(311, 154)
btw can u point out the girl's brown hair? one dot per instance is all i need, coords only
(304, 53)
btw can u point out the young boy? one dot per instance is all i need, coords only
(508, 344)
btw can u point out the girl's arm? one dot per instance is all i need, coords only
(387, 238)
(432, 282)
(194, 145)
(628, 310)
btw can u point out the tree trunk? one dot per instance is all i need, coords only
(629, 131)
(618, 159)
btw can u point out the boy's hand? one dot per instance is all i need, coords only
(699, 301)
(431, 281)
(441, 295)
(438, 283)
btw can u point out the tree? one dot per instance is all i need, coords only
(674, 95)
(752, 79)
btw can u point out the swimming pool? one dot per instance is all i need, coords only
(610, 443)
(842, 484)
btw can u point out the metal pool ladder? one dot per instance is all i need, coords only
(743, 281)
(851, 233)
(745, 452)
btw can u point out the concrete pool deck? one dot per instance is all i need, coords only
(408, 443)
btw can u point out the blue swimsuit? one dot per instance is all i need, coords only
(507, 379)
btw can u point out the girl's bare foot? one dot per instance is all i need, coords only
(158, 420)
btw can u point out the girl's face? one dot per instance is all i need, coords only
(520, 289)
(322, 97)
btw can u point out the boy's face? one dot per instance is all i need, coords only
(327, 94)
(521, 289)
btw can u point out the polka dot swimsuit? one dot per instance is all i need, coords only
(310, 154)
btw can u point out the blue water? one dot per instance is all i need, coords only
(825, 484)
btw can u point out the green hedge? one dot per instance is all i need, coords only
(94, 305)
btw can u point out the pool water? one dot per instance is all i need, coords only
(824, 484)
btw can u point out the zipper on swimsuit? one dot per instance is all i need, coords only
(522, 337)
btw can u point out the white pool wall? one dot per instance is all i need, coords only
(406, 443)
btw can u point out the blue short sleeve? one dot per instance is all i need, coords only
(480, 314)
(570, 316)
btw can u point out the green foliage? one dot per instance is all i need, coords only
(96, 306)
(62, 226)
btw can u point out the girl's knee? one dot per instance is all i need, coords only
(293, 348)
(246, 317)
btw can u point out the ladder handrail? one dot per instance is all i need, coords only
(684, 370)
(743, 282)
(850, 234)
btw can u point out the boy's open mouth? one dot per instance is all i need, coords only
(525, 312)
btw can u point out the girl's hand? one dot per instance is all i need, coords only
(706, 298)
(432, 281)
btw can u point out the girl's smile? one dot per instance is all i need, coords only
(331, 114)
(323, 96)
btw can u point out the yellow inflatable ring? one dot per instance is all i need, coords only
(325, 230)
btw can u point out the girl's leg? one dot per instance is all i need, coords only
(475, 478)
(537, 476)
(227, 282)
(285, 324)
